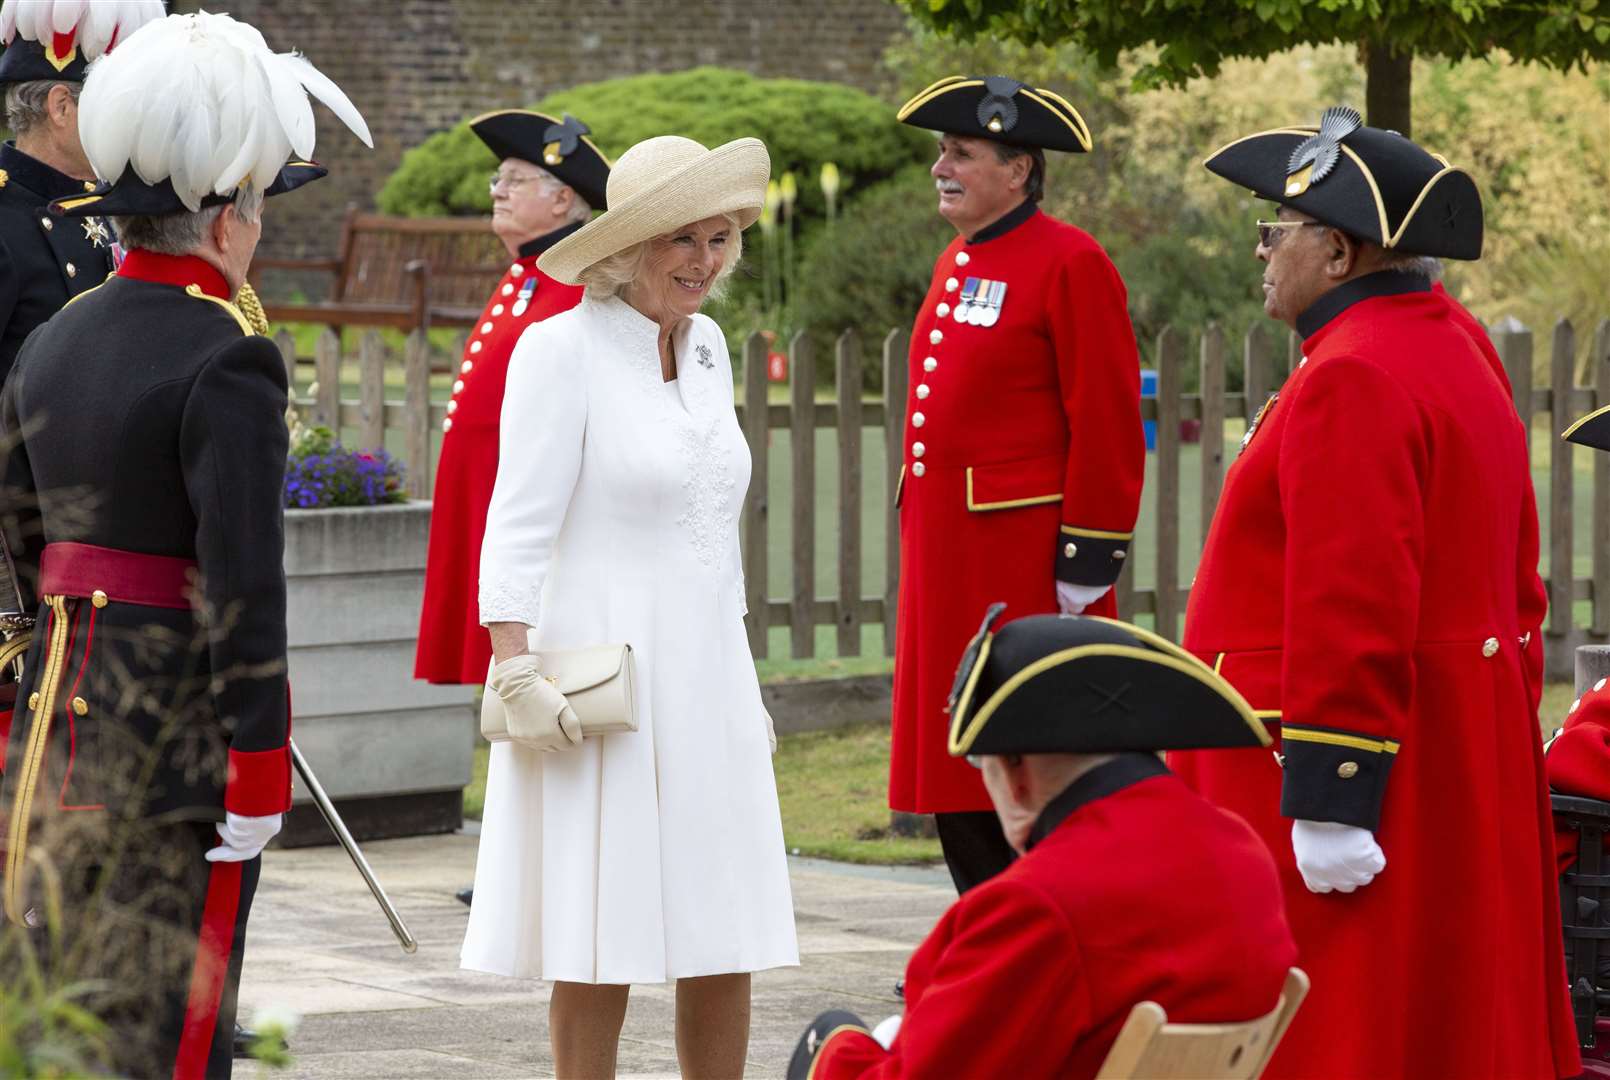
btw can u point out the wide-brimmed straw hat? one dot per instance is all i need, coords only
(662, 184)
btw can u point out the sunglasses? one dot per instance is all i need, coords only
(1269, 232)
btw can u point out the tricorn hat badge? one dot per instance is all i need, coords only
(997, 112)
(1317, 155)
(560, 139)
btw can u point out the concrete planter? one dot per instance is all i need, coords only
(393, 753)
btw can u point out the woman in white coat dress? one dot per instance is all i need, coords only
(657, 854)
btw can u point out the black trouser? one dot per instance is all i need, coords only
(975, 847)
(165, 930)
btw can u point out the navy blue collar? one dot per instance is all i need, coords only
(1098, 783)
(547, 240)
(1345, 295)
(40, 179)
(1005, 223)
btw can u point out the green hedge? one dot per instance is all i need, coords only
(803, 124)
(871, 268)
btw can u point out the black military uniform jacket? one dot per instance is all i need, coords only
(153, 432)
(44, 260)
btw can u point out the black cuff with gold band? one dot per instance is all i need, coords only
(1334, 775)
(1091, 556)
(823, 1029)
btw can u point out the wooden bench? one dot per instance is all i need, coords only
(403, 273)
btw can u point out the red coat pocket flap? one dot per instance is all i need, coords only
(1010, 484)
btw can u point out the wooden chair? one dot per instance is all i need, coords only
(404, 273)
(1150, 1047)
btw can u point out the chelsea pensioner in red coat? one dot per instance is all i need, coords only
(1023, 463)
(550, 176)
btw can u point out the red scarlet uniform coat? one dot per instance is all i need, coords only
(1022, 466)
(453, 645)
(1032, 973)
(1370, 585)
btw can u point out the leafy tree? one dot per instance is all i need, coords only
(1194, 37)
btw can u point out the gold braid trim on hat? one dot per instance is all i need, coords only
(251, 307)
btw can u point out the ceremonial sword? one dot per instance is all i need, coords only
(339, 827)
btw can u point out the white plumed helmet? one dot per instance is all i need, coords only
(201, 103)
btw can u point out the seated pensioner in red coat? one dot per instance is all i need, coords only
(1578, 761)
(1129, 888)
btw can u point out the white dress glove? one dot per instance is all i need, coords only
(886, 1030)
(1073, 599)
(1331, 855)
(244, 837)
(539, 717)
(771, 730)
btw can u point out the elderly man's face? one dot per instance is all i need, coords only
(680, 269)
(975, 186)
(527, 202)
(1302, 263)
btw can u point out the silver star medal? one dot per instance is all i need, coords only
(96, 232)
(523, 300)
(964, 306)
(704, 356)
(988, 310)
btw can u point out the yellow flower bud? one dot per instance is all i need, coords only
(830, 179)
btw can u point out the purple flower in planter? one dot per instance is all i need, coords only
(322, 473)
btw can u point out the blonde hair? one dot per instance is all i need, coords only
(613, 274)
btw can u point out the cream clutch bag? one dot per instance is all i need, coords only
(552, 699)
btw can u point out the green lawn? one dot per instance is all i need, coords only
(833, 787)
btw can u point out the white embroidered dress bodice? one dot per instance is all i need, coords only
(655, 854)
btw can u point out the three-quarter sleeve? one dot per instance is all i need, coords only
(540, 436)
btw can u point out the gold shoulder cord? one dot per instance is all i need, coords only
(251, 307)
(33, 760)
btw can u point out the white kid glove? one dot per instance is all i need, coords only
(244, 837)
(1073, 599)
(771, 730)
(1333, 856)
(886, 1030)
(539, 717)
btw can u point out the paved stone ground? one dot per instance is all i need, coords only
(319, 945)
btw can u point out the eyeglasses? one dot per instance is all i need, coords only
(1269, 231)
(508, 183)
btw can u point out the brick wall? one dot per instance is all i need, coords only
(414, 67)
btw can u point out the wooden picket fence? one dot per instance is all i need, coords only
(1267, 358)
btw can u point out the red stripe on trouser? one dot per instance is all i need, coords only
(207, 978)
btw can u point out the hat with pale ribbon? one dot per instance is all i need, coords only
(658, 186)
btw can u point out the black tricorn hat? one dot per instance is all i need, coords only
(1079, 684)
(1001, 109)
(1591, 430)
(131, 195)
(560, 146)
(1369, 182)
